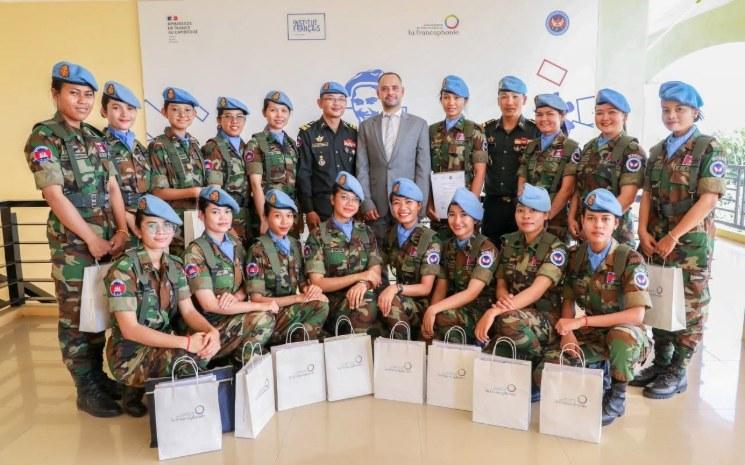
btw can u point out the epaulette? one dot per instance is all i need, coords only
(349, 125)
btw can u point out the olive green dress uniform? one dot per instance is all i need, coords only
(327, 252)
(419, 256)
(77, 160)
(478, 260)
(207, 267)
(271, 273)
(547, 169)
(177, 164)
(612, 165)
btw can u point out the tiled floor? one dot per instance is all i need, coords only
(706, 425)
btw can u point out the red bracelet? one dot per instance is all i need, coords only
(188, 340)
(585, 317)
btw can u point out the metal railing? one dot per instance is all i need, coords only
(731, 208)
(20, 288)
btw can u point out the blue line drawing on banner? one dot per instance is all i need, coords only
(363, 94)
(201, 114)
(585, 110)
(557, 22)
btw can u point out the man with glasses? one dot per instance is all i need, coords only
(325, 147)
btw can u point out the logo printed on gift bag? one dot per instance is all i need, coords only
(196, 414)
(405, 368)
(356, 362)
(458, 374)
(308, 371)
(264, 389)
(508, 390)
(579, 401)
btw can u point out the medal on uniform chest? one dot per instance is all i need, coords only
(412, 251)
(319, 138)
(610, 278)
(687, 160)
(321, 161)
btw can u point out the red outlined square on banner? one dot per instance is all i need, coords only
(552, 72)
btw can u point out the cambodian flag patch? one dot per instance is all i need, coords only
(191, 270)
(42, 154)
(208, 164)
(486, 259)
(558, 257)
(610, 278)
(252, 269)
(641, 279)
(117, 288)
(718, 168)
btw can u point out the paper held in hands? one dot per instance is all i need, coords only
(444, 186)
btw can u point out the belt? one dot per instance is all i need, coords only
(501, 198)
(94, 200)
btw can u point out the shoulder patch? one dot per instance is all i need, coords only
(307, 250)
(42, 154)
(486, 259)
(191, 270)
(718, 169)
(558, 257)
(252, 269)
(576, 156)
(633, 163)
(433, 257)
(117, 288)
(641, 279)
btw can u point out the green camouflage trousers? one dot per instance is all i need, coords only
(132, 363)
(409, 310)
(243, 328)
(532, 332)
(312, 315)
(364, 319)
(466, 317)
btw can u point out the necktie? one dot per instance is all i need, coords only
(388, 136)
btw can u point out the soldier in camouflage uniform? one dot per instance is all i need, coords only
(551, 161)
(529, 274)
(342, 258)
(684, 180)
(223, 161)
(214, 265)
(469, 260)
(609, 282)
(70, 164)
(146, 291)
(271, 159)
(176, 160)
(275, 273)
(456, 144)
(412, 251)
(119, 105)
(614, 161)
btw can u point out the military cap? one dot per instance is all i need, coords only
(117, 91)
(513, 84)
(176, 95)
(74, 74)
(277, 96)
(550, 100)
(276, 198)
(151, 205)
(332, 87)
(219, 197)
(677, 91)
(468, 201)
(536, 198)
(230, 103)
(613, 98)
(455, 85)
(404, 187)
(349, 183)
(603, 201)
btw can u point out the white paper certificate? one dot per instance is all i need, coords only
(444, 186)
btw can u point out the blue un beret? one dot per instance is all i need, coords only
(332, 87)
(536, 198)
(219, 197)
(455, 85)
(349, 183)
(277, 96)
(603, 200)
(677, 91)
(276, 198)
(407, 188)
(613, 98)
(176, 95)
(117, 91)
(74, 74)
(230, 103)
(550, 100)
(468, 201)
(151, 205)
(513, 84)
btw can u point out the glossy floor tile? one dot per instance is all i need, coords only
(705, 425)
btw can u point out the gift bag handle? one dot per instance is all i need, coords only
(184, 359)
(293, 328)
(404, 325)
(458, 330)
(507, 341)
(344, 319)
(570, 347)
(251, 355)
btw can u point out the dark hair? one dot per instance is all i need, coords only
(57, 84)
(390, 73)
(266, 105)
(105, 99)
(139, 216)
(203, 204)
(448, 92)
(336, 189)
(268, 208)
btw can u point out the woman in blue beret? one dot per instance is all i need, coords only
(70, 163)
(683, 183)
(613, 160)
(550, 161)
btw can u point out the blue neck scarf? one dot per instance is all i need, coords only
(601, 141)
(548, 140)
(279, 136)
(403, 234)
(125, 137)
(597, 258)
(672, 143)
(226, 246)
(346, 228)
(282, 243)
(450, 123)
(462, 244)
(235, 142)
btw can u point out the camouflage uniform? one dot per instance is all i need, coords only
(547, 169)
(135, 285)
(276, 163)
(76, 160)
(532, 328)
(224, 167)
(133, 174)
(207, 267)
(419, 256)
(271, 273)
(478, 261)
(675, 185)
(612, 288)
(176, 166)
(458, 149)
(617, 163)
(327, 252)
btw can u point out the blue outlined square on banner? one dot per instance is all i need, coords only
(306, 26)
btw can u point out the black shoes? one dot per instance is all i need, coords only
(132, 401)
(666, 385)
(614, 402)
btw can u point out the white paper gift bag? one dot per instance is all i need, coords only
(501, 389)
(400, 367)
(193, 226)
(572, 399)
(187, 414)
(254, 394)
(299, 371)
(450, 372)
(349, 364)
(94, 304)
(668, 298)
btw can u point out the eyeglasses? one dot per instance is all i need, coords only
(154, 228)
(233, 117)
(349, 198)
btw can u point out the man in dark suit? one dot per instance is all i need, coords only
(392, 144)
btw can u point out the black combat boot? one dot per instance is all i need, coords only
(94, 401)
(672, 381)
(614, 403)
(648, 375)
(132, 401)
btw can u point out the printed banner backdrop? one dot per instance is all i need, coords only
(246, 48)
